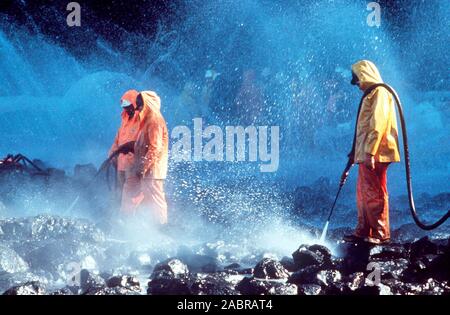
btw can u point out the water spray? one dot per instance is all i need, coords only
(124, 148)
(412, 207)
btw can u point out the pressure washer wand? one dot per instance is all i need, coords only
(341, 184)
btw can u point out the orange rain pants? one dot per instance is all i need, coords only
(152, 199)
(373, 203)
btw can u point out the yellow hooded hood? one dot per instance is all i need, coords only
(367, 73)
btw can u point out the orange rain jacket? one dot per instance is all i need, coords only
(377, 132)
(127, 132)
(152, 144)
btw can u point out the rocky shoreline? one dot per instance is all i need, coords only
(36, 254)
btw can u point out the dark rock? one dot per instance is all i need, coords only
(397, 287)
(252, 286)
(128, 282)
(433, 287)
(213, 285)
(29, 288)
(90, 281)
(303, 257)
(387, 252)
(164, 282)
(328, 278)
(112, 291)
(439, 267)
(309, 289)
(173, 266)
(288, 263)
(422, 247)
(323, 250)
(270, 269)
(416, 271)
(307, 275)
(393, 269)
(65, 291)
(356, 256)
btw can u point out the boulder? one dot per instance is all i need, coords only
(307, 275)
(164, 282)
(422, 247)
(303, 257)
(309, 289)
(388, 252)
(90, 281)
(173, 266)
(288, 263)
(269, 268)
(214, 284)
(252, 286)
(127, 282)
(29, 288)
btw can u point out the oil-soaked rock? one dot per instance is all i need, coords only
(214, 284)
(384, 253)
(422, 247)
(392, 269)
(356, 256)
(66, 291)
(309, 289)
(90, 281)
(270, 269)
(288, 263)
(303, 257)
(322, 250)
(112, 291)
(252, 286)
(164, 282)
(127, 282)
(328, 278)
(307, 275)
(173, 266)
(313, 255)
(29, 288)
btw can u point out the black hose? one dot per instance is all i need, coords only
(412, 207)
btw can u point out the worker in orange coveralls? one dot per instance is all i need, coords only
(376, 147)
(128, 183)
(151, 157)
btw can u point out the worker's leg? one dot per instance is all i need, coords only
(378, 215)
(373, 204)
(155, 199)
(131, 189)
(362, 228)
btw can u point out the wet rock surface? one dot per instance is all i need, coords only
(60, 256)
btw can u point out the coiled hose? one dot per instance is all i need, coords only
(412, 207)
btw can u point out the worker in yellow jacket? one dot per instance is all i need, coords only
(376, 147)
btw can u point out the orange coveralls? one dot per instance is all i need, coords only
(377, 135)
(128, 131)
(151, 152)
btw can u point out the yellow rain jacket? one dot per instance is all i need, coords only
(376, 131)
